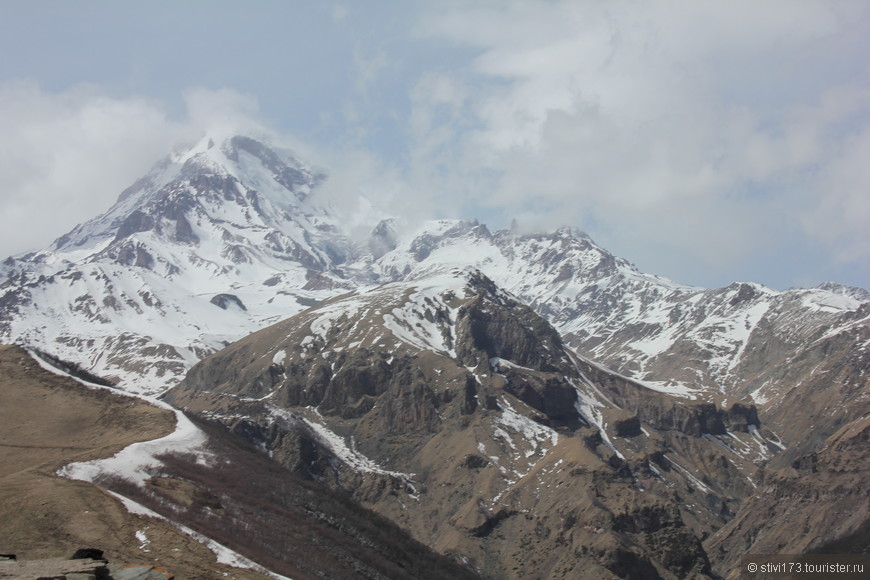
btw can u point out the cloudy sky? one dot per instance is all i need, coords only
(704, 141)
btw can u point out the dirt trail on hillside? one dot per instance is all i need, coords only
(48, 421)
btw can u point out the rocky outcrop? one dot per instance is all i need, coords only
(80, 568)
(450, 411)
(669, 413)
(383, 238)
(224, 301)
(137, 221)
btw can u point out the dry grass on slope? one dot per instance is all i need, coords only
(47, 421)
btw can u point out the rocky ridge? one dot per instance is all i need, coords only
(798, 349)
(448, 400)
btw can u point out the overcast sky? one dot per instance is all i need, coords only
(708, 142)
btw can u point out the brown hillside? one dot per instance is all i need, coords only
(47, 421)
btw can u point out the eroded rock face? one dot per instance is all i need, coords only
(455, 411)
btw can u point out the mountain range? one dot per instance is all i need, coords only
(529, 404)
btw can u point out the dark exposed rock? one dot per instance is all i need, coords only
(491, 522)
(745, 292)
(72, 368)
(133, 254)
(236, 254)
(739, 417)
(137, 221)
(412, 407)
(382, 239)
(628, 427)
(87, 554)
(357, 380)
(647, 519)
(474, 461)
(184, 232)
(500, 332)
(470, 401)
(224, 301)
(630, 565)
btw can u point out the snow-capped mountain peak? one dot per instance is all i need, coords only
(215, 241)
(264, 184)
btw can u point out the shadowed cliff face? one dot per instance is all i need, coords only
(454, 410)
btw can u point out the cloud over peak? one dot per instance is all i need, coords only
(66, 156)
(670, 121)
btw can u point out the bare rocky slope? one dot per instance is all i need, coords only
(453, 409)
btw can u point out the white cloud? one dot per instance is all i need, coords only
(707, 129)
(840, 216)
(368, 68)
(339, 12)
(223, 110)
(65, 157)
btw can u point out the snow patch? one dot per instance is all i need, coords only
(223, 554)
(138, 461)
(337, 445)
(497, 362)
(143, 540)
(535, 434)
